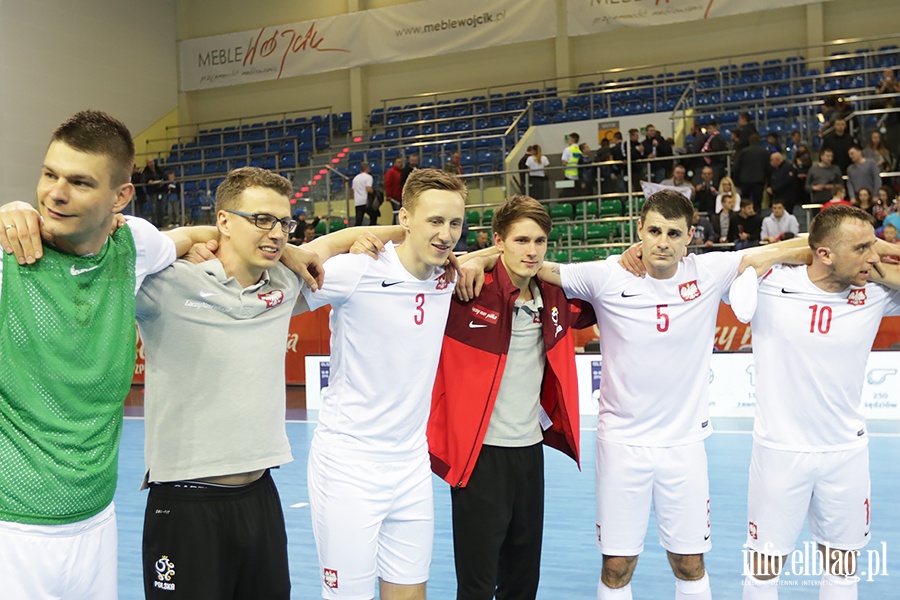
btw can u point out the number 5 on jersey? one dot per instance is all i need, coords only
(419, 317)
(662, 318)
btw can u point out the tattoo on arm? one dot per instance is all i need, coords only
(555, 269)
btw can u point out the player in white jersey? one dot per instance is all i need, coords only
(369, 473)
(656, 340)
(812, 333)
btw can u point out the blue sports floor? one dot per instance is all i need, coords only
(571, 562)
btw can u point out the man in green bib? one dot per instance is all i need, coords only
(68, 343)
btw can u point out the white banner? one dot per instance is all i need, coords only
(732, 385)
(649, 188)
(593, 16)
(414, 30)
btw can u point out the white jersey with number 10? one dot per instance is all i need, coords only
(810, 348)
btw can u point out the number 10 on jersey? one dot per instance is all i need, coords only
(820, 320)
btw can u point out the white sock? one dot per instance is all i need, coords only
(608, 593)
(760, 589)
(693, 590)
(837, 587)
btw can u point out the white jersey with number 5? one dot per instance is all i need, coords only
(656, 337)
(386, 333)
(810, 348)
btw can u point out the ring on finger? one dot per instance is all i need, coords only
(10, 226)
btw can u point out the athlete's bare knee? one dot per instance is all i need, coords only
(395, 591)
(839, 562)
(765, 567)
(687, 567)
(617, 570)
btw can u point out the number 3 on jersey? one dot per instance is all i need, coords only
(419, 317)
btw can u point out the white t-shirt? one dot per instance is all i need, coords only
(154, 251)
(537, 169)
(360, 193)
(386, 333)
(810, 349)
(656, 337)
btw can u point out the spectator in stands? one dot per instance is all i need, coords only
(619, 152)
(453, 165)
(822, 177)
(522, 167)
(655, 146)
(801, 163)
(749, 225)
(362, 187)
(782, 182)
(412, 163)
(309, 233)
(882, 204)
(705, 192)
(839, 142)
(864, 199)
(838, 196)
(725, 223)
(727, 188)
(773, 143)
(695, 146)
(746, 129)
(536, 162)
(604, 155)
(892, 219)
(714, 143)
(877, 152)
(887, 85)
(587, 175)
(751, 168)
(571, 157)
(703, 233)
(862, 173)
(792, 144)
(889, 233)
(393, 188)
(482, 241)
(173, 200)
(736, 144)
(679, 178)
(780, 225)
(154, 180)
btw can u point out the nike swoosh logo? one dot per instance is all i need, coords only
(784, 291)
(75, 271)
(204, 294)
(474, 325)
(706, 537)
(624, 295)
(386, 284)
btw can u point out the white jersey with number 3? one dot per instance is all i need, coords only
(656, 337)
(386, 333)
(810, 348)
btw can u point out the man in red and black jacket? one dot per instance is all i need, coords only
(506, 385)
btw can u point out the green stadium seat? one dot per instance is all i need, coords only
(601, 231)
(554, 235)
(560, 256)
(473, 218)
(472, 237)
(592, 208)
(561, 211)
(321, 227)
(610, 208)
(487, 216)
(601, 253)
(577, 233)
(337, 224)
(582, 255)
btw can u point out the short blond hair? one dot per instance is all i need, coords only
(228, 194)
(422, 180)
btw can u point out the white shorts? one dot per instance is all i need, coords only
(673, 479)
(75, 561)
(831, 488)
(370, 520)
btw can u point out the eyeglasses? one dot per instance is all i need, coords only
(267, 222)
